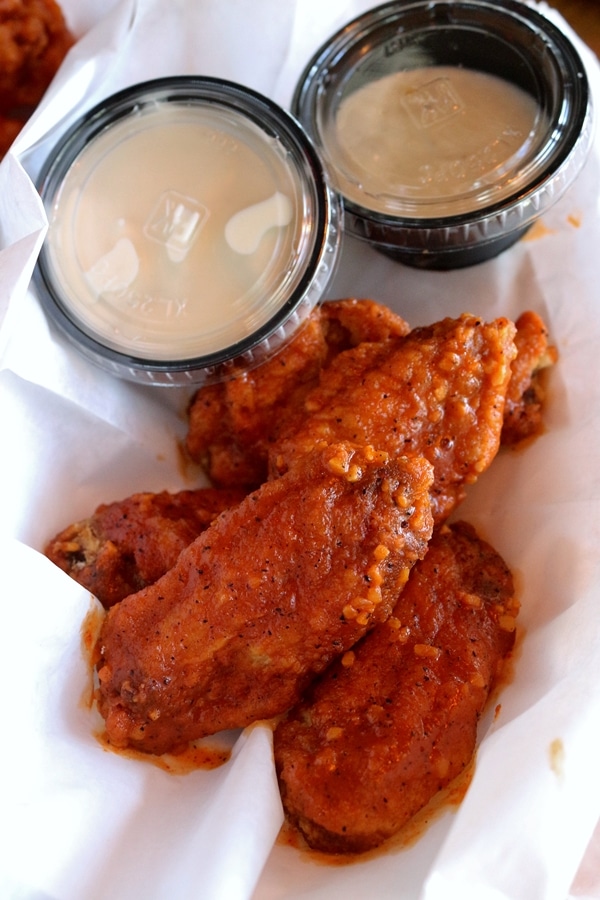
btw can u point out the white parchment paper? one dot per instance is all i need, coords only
(81, 823)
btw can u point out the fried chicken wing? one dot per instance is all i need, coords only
(348, 323)
(34, 39)
(232, 424)
(129, 544)
(264, 599)
(525, 396)
(395, 720)
(439, 392)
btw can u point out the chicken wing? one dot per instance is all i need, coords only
(526, 393)
(232, 424)
(439, 392)
(34, 39)
(264, 599)
(129, 544)
(395, 719)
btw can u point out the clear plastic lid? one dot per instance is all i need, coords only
(179, 239)
(447, 123)
(433, 141)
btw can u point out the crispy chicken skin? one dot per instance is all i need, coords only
(347, 323)
(34, 39)
(395, 719)
(264, 599)
(232, 424)
(525, 397)
(439, 392)
(129, 544)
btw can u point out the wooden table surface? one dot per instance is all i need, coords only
(584, 18)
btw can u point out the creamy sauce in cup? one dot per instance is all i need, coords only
(175, 231)
(445, 137)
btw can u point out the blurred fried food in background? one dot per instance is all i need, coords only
(34, 39)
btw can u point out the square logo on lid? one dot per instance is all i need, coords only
(433, 102)
(175, 222)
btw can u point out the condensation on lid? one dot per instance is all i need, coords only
(176, 232)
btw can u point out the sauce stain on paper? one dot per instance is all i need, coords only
(557, 758)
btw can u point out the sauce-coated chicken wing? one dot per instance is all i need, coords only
(395, 719)
(34, 39)
(233, 423)
(264, 599)
(526, 393)
(439, 392)
(130, 543)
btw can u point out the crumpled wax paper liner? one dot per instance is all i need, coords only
(81, 822)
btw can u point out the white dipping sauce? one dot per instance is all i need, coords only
(175, 231)
(433, 141)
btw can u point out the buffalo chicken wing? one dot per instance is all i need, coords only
(439, 393)
(127, 545)
(233, 423)
(395, 719)
(264, 599)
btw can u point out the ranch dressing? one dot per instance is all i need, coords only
(174, 231)
(432, 141)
